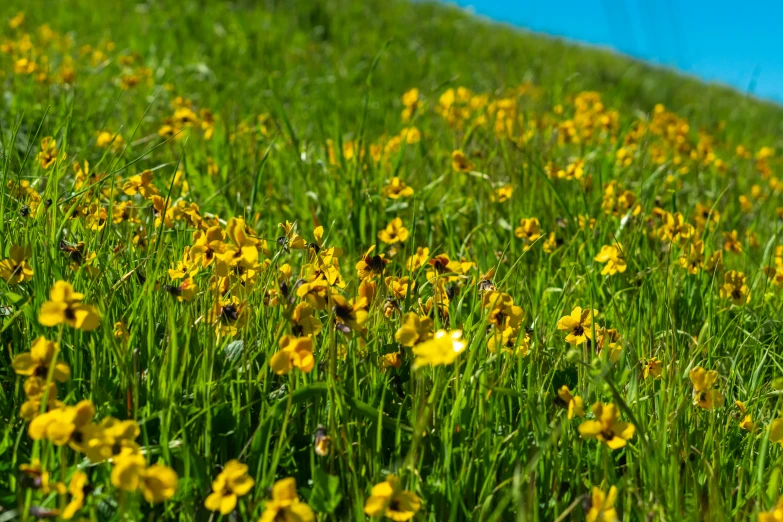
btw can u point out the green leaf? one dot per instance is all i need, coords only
(13, 297)
(234, 350)
(325, 495)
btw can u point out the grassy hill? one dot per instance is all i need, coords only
(331, 241)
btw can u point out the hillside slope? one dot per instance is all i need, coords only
(346, 260)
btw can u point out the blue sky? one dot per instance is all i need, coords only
(731, 42)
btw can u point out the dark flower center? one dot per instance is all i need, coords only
(394, 505)
(173, 290)
(343, 312)
(439, 265)
(230, 312)
(376, 264)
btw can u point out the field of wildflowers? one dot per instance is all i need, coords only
(336, 260)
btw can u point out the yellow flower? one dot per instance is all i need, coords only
(528, 230)
(714, 262)
(128, 470)
(692, 259)
(48, 154)
(551, 243)
(18, 20)
(206, 245)
(243, 250)
(746, 423)
(460, 162)
(602, 507)
(399, 286)
(207, 123)
(653, 367)
(391, 360)
(35, 388)
(586, 222)
(411, 101)
(304, 320)
(731, 242)
(609, 339)
(579, 325)
(159, 483)
(371, 265)
(291, 239)
(66, 425)
(36, 363)
(295, 352)
(776, 431)
(508, 339)
(502, 194)
(367, 290)
(574, 403)
(314, 292)
(121, 331)
(607, 427)
(106, 138)
(76, 490)
(418, 259)
(411, 135)
(619, 202)
(114, 438)
(64, 306)
(285, 504)
(705, 214)
(186, 291)
(503, 313)
(228, 316)
(231, 483)
(141, 184)
(394, 232)
(414, 329)
(675, 229)
(349, 315)
(396, 188)
(39, 478)
(389, 500)
(735, 288)
(15, 269)
(27, 66)
(442, 349)
(184, 268)
(703, 395)
(213, 169)
(612, 255)
(776, 515)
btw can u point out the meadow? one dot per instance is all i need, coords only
(378, 260)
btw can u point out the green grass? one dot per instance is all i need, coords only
(483, 438)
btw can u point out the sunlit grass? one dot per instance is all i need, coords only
(426, 267)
